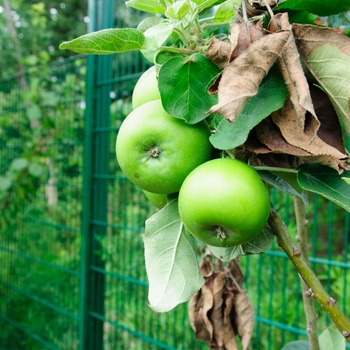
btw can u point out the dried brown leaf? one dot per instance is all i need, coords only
(219, 52)
(244, 318)
(319, 150)
(241, 78)
(216, 317)
(300, 127)
(243, 35)
(228, 333)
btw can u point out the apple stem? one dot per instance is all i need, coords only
(309, 306)
(316, 290)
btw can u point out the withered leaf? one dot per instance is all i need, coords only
(326, 55)
(228, 333)
(216, 313)
(241, 78)
(318, 150)
(213, 313)
(219, 52)
(303, 123)
(244, 318)
(243, 35)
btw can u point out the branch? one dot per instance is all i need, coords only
(316, 290)
(309, 307)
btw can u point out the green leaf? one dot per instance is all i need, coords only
(271, 95)
(178, 10)
(107, 41)
(285, 182)
(18, 164)
(260, 244)
(151, 6)
(224, 12)
(318, 7)
(37, 170)
(33, 112)
(5, 183)
(331, 338)
(302, 17)
(171, 260)
(183, 84)
(155, 37)
(50, 98)
(331, 68)
(203, 4)
(326, 182)
(298, 345)
(148, 23)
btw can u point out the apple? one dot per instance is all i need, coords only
(224, 203)
(146, 88)
(157, 151)
(157, 199)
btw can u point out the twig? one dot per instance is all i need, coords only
(309, 307)
(316, 290)
(244, 11)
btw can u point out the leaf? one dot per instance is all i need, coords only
(327, 57)
(224, 12)
(326, 182)
(171, 260)
(331, 338)
(178, 10)
(298, 345)
(148, 23)
(297, 120)
(38, 170)
(318, 7)
(5, 183)
(245, 317)
(285, 182)
(155, 37)
(183, 84)
(241, 78)
(151, 6)
(270, 97)
(33, 112)
(18, 164)
(302, 17)
(107, 41)
(260, 244)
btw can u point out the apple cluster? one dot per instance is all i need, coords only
(222, 202)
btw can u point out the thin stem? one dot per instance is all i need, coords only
(309, 307)
(244, 11)
(316, 290)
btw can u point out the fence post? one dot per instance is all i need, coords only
(95, 186)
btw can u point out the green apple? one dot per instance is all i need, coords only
(157, 199)
(146, 88)
(224, 203)
(157, 151)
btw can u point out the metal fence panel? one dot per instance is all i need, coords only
(40, 244)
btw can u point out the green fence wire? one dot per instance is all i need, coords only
(72, 272)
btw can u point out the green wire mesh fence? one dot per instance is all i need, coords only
(72, 272)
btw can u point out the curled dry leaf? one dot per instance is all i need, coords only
(241, 78)
(245, 318)
(214, 313)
